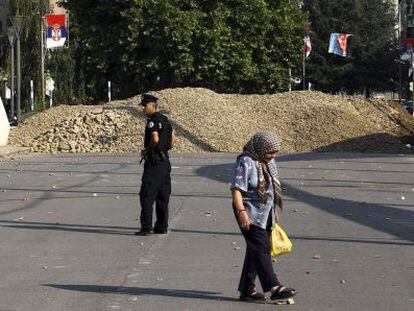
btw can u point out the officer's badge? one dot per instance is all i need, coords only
(151, 125)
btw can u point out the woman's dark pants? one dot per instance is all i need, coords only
(257, 261)
(155, 187)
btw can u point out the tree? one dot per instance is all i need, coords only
(30, 47)
(244, 46)
(372, 47)
(60, 62)
(229, 46)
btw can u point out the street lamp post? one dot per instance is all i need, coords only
(17, 24)
(10, 34)
(399, 52)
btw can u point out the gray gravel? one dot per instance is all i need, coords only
(205, 121)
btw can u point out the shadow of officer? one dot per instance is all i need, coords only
(156, 179)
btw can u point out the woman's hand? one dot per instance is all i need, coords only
(242, 215)
(244, 220)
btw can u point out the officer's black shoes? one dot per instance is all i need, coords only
(160, 231)
(142, 233)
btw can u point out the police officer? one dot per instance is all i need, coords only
(156, 179)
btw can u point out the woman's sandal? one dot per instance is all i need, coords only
(281, 292)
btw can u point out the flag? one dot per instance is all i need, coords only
(407, 50)
(56, 33)
(308, 45)
(338, 44)
(411, 60)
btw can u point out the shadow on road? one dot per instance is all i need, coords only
(390, 219)
(141, 291)
(117, 230)
(97, 229)
(394, 219)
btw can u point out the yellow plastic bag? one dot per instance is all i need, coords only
(279, 242)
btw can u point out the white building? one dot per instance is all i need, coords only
(55, 9)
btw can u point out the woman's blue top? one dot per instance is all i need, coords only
(245, 177)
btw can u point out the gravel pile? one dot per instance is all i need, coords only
(205, 121)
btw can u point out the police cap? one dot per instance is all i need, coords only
(148, 98)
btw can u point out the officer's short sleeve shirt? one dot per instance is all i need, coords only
(153, 125)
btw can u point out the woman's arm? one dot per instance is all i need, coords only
(242, 215)
(173, 139)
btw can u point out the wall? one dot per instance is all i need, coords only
(4, 125)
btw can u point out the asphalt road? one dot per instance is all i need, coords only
(67, 243)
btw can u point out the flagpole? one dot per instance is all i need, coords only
(305, 54)
(42, 55)
(399, 53)
(412, 72)
(67, 30)
(304, 70)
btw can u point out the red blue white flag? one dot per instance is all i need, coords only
(56, 32)
(407, 50)
(308, 45)
(338, 44)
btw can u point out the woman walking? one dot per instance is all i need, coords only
(257, 201)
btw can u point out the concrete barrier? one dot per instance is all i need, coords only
(4, 125)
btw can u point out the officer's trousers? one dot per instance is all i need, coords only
(155, 187)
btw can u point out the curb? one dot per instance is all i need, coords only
(8, 150)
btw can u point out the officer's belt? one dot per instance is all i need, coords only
(157, 156)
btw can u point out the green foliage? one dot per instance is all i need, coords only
(61, 66)
(372, 48)
(244, 46)
(229, 46)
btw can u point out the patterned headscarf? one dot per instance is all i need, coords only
(257, 147)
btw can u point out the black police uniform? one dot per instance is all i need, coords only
(156, 180)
